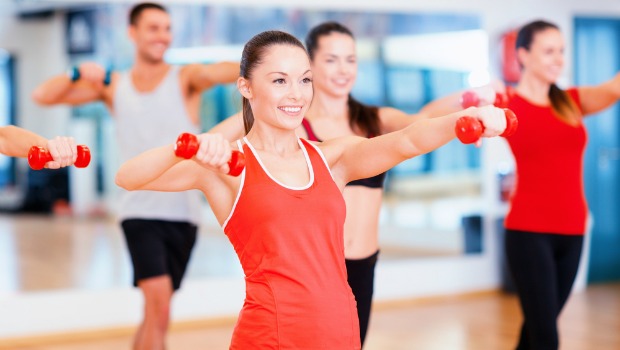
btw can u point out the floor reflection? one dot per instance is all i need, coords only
(40, 252)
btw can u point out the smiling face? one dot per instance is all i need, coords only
(280, 86)
(545, 57)
(151, 34)
(334, 64)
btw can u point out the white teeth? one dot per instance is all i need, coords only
(291, 109)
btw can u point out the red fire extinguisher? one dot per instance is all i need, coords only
(510, 66)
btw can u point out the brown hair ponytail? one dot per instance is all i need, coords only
(563, 106)
(361, 117)
(252, 55)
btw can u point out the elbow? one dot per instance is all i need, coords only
(40, 98)
(122, 181)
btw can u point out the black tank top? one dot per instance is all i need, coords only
(371, 182)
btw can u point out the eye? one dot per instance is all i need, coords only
(307, 81)
(279, 81)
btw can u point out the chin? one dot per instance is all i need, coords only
(553, 80)
(341, 92)
(156, 58)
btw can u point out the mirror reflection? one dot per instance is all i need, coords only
(59, 229)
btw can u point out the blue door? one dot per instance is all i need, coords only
(597, 59)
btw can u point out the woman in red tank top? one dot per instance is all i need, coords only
(547, 217)
(285, 214)
(334, 112)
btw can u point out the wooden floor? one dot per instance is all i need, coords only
(46, 252)
(591, 321)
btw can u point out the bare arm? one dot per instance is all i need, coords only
(231, 128)
(452, 103)
(160, 170)
(394, 119)
(204, 76)
(15, 142)
(61, 90)
(597, 98)
(355, 158)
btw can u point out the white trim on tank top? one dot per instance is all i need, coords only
(308, 163)
(232, 210)
(318, 150)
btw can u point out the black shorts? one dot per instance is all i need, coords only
(159, 247)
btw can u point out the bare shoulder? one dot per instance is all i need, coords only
(334, 148)
(390, 112)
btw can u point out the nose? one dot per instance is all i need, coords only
(164, 35)
(294, 92)
(342, 67)
(559, 58)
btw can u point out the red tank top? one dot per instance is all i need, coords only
(549, 195)
(290, 244)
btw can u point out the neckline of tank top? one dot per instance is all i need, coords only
(262, 165)
(158, 87)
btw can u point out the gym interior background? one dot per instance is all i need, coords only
(62, 254)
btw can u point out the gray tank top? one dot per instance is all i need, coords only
(149, 120)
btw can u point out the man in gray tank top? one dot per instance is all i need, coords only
(152, 103)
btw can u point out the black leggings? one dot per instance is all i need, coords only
(361, 277)
(543, 267)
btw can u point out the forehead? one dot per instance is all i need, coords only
(548, 37)
(335, 41)
(285, 58)
(153, 16)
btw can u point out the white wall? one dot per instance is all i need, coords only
(39, 48)
(43, 57)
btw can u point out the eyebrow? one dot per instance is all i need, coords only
(285, 74)
(336, 56)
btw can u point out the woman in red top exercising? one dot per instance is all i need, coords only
(547, 217)
(285, 213)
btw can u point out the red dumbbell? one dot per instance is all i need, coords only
(187, 146)
(469, 129)
(471, 99)
(39, 156)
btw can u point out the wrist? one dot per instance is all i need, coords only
(74, 74)
(108, 77)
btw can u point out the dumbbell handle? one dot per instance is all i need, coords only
(469, 129)
(187, 146)
(39, 156)
(471, 99)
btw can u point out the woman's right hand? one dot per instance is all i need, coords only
(214, 152)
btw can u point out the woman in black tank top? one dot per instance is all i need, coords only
(334, 113)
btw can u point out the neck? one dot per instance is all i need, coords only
(273, 140)
(534, 89)
(326, 106)
(143, 67)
